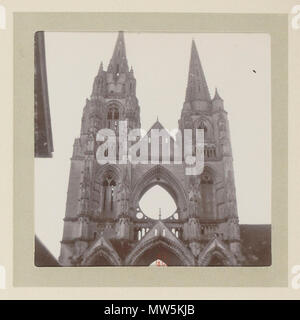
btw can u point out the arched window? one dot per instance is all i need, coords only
(108, 193)
(113, 115)
(207, 193)
(198, 125)
(203, 126)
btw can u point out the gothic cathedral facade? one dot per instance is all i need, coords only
(104, 224)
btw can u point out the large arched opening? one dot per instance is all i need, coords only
(217, 260)
(170, 252)
(158, 263)
(100, 257)
(99, 260)
(159, 251)
(157, 203)
(168, 193)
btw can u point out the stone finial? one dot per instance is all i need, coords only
(217, 96)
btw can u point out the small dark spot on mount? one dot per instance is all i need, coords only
(254, 71)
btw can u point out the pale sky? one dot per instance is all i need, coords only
(160, 62)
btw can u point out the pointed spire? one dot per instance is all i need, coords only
(131, 72)
(118, 62)
(217, 96)
(197, 87)
(101, 67)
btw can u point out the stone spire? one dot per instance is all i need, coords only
(217, 96)
(217, 101)
(118, 63)
(197, 87)
(100, 68)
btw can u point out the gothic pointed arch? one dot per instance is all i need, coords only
(108, 177)
(114, 113)
(160, 243)
(216, 248)
(108, 168)
(101, 253)
(115, 105)
(159, 175)
(217, 258)
(205, 124)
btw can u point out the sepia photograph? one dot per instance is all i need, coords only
(152, 149)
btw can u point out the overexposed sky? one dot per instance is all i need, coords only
(237, 64)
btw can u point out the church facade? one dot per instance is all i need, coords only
(104, 224)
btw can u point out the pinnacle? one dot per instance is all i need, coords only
(217, 96)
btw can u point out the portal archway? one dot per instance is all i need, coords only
(162, 249)
(216, 254)
(100, 257)
(101, 253)
(158, 263)
(160, 252)
(100, 260)
(217, 260)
